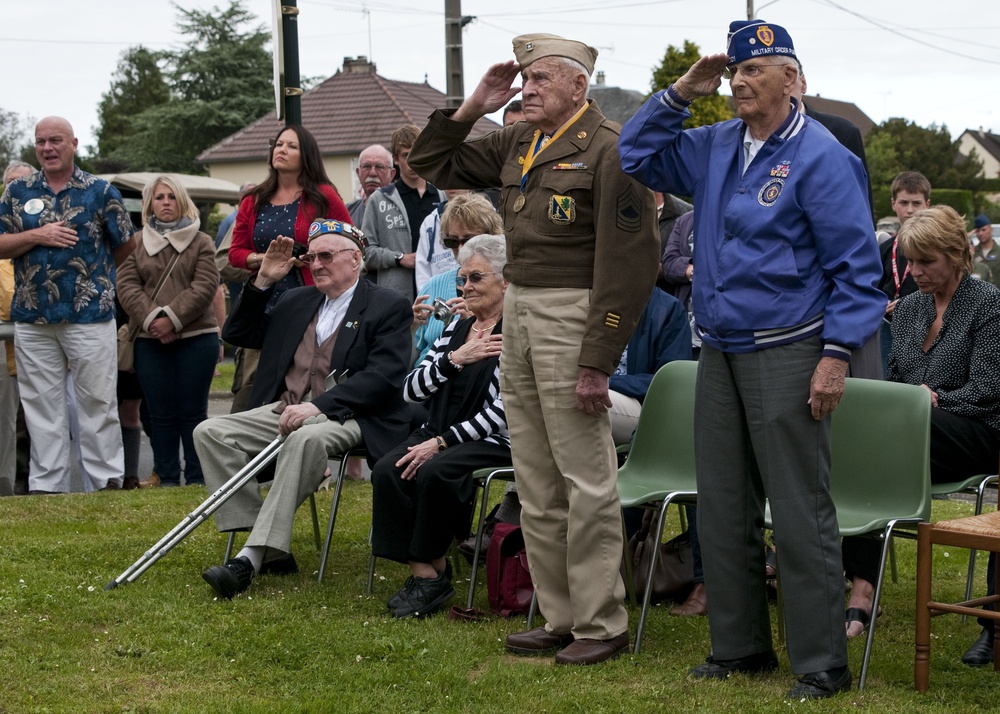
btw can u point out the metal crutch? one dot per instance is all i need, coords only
(200, 514)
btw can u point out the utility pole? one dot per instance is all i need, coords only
(293, 83)
(455, 89)
(285, 40)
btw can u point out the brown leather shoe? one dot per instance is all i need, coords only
(152, 482)
(538, 641)
(585, 651)
(694, 605)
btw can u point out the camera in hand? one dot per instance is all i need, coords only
(441, 310)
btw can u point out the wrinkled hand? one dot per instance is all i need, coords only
(934, 395)
(293, 416)
(592, 391)
(492, 93)
(56, 235)
(421, 310)
(891, 306)
(481, 346)
(163, 329)
(703, 78)
(416, 456)
(827, 387)
(278, 262)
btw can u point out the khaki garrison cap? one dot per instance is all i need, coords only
(528, 48)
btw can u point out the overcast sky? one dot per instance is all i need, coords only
(930, 62)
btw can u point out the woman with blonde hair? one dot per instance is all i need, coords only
(167, 286)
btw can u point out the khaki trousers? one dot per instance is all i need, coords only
(565, 466)
(225, 444)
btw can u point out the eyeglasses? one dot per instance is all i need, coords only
(325, 256)
(457, 241)
(749, 71)
(474, 278)
(377, 167)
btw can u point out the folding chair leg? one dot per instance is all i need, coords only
(629, 582)
(483, 506)
(887, 540)
(533, 608)
(648, 594)
(325, 552)
(229, 547)
(312, 508)
(892, 561)
(371, 565)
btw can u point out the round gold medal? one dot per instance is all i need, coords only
(519, 203)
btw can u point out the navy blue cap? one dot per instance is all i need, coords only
(328, 225)
(981, 221)
(750, 39)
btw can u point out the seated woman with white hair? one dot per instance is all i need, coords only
(423, 490)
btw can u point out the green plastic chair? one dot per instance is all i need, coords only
(659, 469)
(876, 487)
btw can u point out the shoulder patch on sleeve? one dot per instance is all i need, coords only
(628, 217)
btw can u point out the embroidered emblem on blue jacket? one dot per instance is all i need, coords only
(769, 194)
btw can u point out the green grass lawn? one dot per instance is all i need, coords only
(223, 381)
(291, 644)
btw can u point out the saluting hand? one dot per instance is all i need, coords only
(278, 262)
(703, 77)
(492, 93)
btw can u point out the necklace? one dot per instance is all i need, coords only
(483, 329)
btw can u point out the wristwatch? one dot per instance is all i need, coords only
(399, 258)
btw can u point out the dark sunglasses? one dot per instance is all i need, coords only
(325, 257)
(474, 278)
(456, 241)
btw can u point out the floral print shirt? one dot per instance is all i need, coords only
(60, 285)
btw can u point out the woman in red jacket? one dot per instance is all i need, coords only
(296, 192)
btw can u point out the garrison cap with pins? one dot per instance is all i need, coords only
(328, 226)
(751, 39)
(528, 48)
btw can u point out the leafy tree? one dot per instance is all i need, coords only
(13, 137)
(704, 110)
(898, 145)
(138, 84)
(220, 81)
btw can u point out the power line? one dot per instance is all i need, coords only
(894, 31)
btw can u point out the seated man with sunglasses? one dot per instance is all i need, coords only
(464, 217)
(339, 348)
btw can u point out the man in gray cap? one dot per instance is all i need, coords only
(774, 192)
(582, 247)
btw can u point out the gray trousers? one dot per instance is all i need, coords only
(225, 444)
(755, 437)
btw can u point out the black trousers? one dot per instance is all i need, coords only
(961, 447)
(417, 520)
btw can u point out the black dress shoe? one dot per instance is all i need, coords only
(722, 668)
(424, 597)
(230, 579)
(285, 565)
(981, 652)
(820, 685)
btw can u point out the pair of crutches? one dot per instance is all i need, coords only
(209, 506)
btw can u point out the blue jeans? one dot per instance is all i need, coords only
(175, 380)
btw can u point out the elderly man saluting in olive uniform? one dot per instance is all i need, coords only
(581, 247)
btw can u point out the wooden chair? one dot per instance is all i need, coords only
(981, 532)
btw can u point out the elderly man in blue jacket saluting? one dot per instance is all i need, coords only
(785, 287)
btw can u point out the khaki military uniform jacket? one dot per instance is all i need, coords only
(583, 222)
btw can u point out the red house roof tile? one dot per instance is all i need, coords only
(349, 111)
